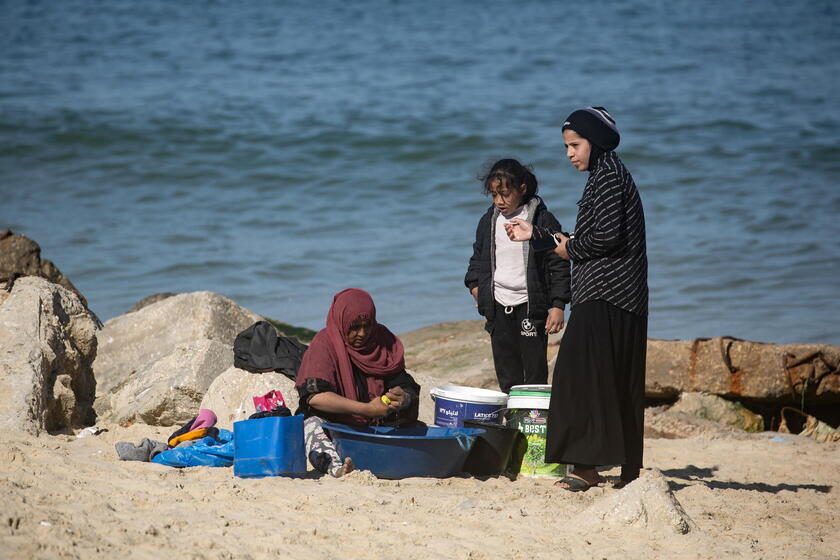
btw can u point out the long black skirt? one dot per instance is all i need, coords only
(597, 409)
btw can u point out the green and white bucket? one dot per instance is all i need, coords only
(528, 412)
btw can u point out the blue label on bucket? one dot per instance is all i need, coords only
(452, 413)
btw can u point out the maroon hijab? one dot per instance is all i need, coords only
(330, 358)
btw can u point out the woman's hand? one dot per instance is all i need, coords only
(555, 321)
(336, 404)
(397, 397)
(561, 248)
(519, 230)
(474, 293)
(376, 408)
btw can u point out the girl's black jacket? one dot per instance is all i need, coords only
(548, 276)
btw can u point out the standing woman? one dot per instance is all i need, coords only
(596, 414)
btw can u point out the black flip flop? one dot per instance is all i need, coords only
(574, 484)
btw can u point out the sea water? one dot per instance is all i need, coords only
(277, 153)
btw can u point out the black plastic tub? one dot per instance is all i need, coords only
(491, 451)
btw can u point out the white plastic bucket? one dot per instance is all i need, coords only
(454, 404)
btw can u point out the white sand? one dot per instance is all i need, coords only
(64, 497)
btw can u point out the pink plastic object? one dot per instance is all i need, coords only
(269, 401)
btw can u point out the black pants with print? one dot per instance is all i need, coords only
(519, 348)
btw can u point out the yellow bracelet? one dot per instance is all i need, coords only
(385, 399)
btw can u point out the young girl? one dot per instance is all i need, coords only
(521, 293)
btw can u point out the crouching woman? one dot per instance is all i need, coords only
(352, 373)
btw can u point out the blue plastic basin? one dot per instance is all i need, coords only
(404, 452)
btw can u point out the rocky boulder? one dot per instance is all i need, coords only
(742, 369)
(717, 409)
(230, 394)
(647, 503)
(21, 256)
(131, 343)
(149, 300)
(47, 346)
(662, 423)
(170, 390)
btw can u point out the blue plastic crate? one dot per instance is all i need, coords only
(269, 447)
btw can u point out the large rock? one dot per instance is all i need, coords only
(647, 503)
(742, 369)
(231, 393)
(718, 409)
(149, 300)
(671, 424)
(131, 343)
(170, 390)
(47, 346)
(21, 256)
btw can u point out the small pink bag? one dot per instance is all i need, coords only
(269, 401)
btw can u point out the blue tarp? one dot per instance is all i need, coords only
(207, 452)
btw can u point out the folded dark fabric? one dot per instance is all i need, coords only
(258, 349)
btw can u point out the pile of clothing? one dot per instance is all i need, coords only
(197, 443)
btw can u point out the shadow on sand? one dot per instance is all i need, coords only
(705, 476)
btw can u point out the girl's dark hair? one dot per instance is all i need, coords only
(509, 174)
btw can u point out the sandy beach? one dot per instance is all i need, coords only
(761, 496)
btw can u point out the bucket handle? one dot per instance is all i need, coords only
(464, 441)
(505, 413)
